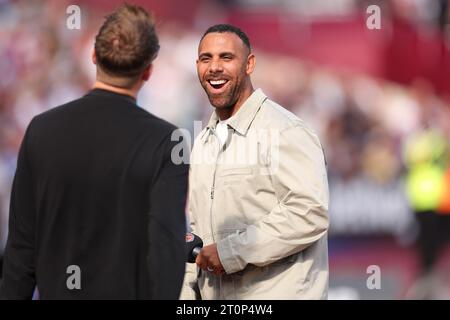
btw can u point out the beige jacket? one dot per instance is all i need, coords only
(263, 198)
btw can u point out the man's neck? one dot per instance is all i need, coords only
(226, 113)
(129, 92)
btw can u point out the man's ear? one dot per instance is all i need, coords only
(251, 61)
(94, 58)
(147, 72)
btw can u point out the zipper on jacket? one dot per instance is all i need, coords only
(213, 184)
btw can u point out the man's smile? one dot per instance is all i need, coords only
(217, 86)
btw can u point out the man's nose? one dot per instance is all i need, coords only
(215, 66)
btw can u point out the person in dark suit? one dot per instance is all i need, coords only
(97, 205)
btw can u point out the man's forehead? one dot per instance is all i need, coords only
(221, 40)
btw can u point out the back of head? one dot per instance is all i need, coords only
(125, 46)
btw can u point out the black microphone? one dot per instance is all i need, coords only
(193, 246)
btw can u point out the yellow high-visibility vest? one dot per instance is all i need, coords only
(425, 186)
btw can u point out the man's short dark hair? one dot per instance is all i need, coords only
(221, 28)
(126, 44)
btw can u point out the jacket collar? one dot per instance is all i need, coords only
(243, 118)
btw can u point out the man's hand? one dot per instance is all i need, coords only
(208, 260)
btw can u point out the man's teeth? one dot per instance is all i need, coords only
(217, 82)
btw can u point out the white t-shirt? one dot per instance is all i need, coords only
(222, 132)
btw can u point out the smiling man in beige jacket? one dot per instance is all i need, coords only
(258, 187)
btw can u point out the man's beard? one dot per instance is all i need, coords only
(224, 100)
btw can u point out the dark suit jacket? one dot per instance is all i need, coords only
(97, 206)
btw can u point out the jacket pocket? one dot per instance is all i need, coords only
(235, 171)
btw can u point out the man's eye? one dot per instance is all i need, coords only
(227, 58)
(205, 59)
